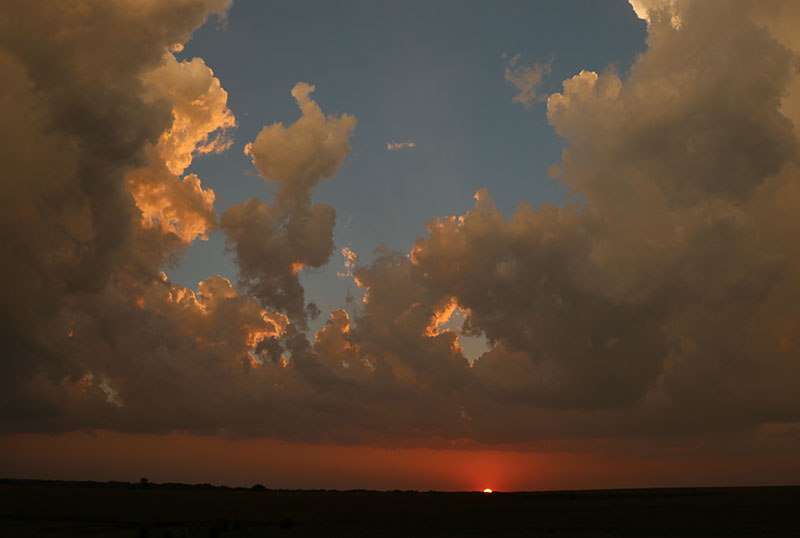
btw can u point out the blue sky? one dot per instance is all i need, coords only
(427, 72)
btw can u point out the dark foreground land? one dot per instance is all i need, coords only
(38, 508)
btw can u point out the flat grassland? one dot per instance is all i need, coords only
(45, 508)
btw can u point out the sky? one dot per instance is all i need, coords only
(450, 245)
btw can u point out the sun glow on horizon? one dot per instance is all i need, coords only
(488, 490)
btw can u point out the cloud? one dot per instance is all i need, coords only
(656, 286)
(181, 206)
(271, 241)
(199, 108)
(527, 80)
(646, 9)
(298, 157)
(608, 317)
(394, 146)
(350, 262)
(85, 116)
(660, 301)
(269, 247)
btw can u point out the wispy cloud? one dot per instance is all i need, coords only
(527, 80)
(394, 146)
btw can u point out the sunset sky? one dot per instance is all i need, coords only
(401, 245)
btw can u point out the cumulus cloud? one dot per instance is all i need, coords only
(273, 241)
(666, 272)
(270, 249)
(646, 9)
(199, 109)
(298, 157)
(661, 300)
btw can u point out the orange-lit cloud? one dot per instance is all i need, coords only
(646, 9)
(441, 316)
(199, 109)
(176, 205)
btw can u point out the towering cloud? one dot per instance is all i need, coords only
(273, 242)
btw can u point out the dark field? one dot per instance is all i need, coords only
(29, 508)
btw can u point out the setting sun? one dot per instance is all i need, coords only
(487, 490)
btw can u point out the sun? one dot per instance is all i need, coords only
(487, 490)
